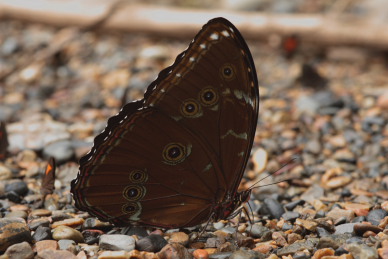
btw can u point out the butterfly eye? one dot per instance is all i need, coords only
(228, 72)
(208, 96)
(134, 192)
(130, 208)
(174, 153)
(138, 176)
(190, 108)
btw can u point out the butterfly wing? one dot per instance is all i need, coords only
(217, 78)
(146, 173)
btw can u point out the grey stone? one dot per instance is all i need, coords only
(117, 242)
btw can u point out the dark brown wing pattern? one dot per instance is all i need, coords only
(170, 158)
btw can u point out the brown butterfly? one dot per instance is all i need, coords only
(48, 179)
(3, 140)
(176, 157)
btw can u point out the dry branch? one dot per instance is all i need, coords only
(179, 23)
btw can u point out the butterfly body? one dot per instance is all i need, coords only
(176, 157)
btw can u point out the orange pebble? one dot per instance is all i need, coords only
(201, 254)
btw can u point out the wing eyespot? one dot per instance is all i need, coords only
(228, 72)
(208, 96)
(134, 192)
(174, 153)
(138, 176)
(191, 108)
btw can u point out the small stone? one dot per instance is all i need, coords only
(360, 228)
(40, 213)
(42, 233)
(152, 243)
(57, 254)
(115, 255)
(40, 222)
(21, 250)
(179, 237)
(60, 215)
(68, 245)
(279, 239)
(307, 224)
(17, 214)
(98, 224)
(64, 232)
(260, 159)
(62, 151)
(344, 228)
(274, 208)
(117, 242)
(46, 245)
(246, 254)
(361, 251)
(258, 230)
(5, 173)
(201, 254)
(338, 213)
(382, 100)
(375, 216)
(292, 205)
(174, 251)
(75, 222)
(17, 186)
(92, 236)
(263, 248)
(290, 215)
(333, 241)
(13, 231)
(323, 252)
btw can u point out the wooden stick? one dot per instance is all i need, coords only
(184, 23)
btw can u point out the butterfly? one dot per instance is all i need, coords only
(176, 157)
(3, 140)
(48, 179)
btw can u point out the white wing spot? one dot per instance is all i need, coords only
(203, 46)
(234, 134)
(225, 33)
(178, 75)
(105, 138)
(162, 90)
(121, 121)
(192, 59)
(214, 36)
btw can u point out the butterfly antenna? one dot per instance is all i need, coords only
(283, 168)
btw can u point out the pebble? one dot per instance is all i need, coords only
(17, 186)
(46, 245)
(60, 254)
(361, 251)
(179, 237)
(40, 213)
(5, 173)
(274, 208)
(42, 233)
(13, 231)
(174, 251)
(64, 232)
(117, 242)
(69, 222)
(200, 254)
(62, 151)
(20, 251)
(375, 216)
(260, 159)
(152, 243)
(17, 214)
